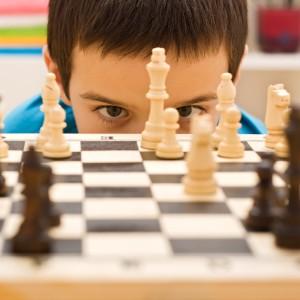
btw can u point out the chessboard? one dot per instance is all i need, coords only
(129, 232)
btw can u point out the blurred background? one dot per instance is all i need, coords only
(274, 55)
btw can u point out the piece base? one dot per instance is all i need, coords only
(272, 140)
(232, 151)
(22, 245)
(63, 152)
(199, 188)
(282, 151)
(164, 152)
(287, 231)
(258, 224)
(149, 145)
(169, 155)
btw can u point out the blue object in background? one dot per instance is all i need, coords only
(21, 51)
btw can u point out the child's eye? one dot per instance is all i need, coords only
(188, 112)
(112, 112)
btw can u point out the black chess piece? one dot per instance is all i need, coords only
(261, 215)
(3, 186)
(279, 198)
(287, 223)
(46, 177)
(32, 236)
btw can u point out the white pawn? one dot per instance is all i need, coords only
(169, 148)
(158, 70)
(3, 146)
(57, 146)
(226, 98)
(50, 96)
(282, 148)
(231, 146)
(201, 165)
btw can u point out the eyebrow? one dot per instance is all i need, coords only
(202, 98)
(100, 98)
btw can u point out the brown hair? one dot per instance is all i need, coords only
(132, 27)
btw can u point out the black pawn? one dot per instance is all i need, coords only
(287, 224)
(260, 217)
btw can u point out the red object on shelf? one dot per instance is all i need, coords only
(279, 29)
(15, 7)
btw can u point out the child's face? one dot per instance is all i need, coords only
(108, 94)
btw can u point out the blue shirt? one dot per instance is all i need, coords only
(28, 118)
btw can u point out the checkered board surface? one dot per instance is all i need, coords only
(121, 203)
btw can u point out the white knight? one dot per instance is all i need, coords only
(278, 101)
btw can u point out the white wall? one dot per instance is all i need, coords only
(20, 78)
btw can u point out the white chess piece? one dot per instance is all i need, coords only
(282, 148)
(3, 145)
(50, 96)
(158, 70)
(278, 101)
(231, 145)
(57, 146)
(169, 148)
(200, 161)
(226, 97)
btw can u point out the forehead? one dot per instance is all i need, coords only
(91, 70)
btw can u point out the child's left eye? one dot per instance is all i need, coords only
(112, 112)
(188, 112)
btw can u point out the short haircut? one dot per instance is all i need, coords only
(193, 28)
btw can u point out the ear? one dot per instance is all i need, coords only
(53, 68)
(238, 75)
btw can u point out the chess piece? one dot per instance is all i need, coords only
(287, 223)
(3, 145)
(32, 236)
(201, 165)
(282, 149)
(231, 145)
(3, 186)
(278, 101)
(50, 96)
(32, 159)
(57, 146)
(169, 148)
(226, 97)
(158, 70)
(261, 215)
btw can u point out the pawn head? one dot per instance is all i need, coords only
(226, 76)
(171, 115)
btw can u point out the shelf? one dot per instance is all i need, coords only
(257, 61)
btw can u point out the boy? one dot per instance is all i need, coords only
(98, 51)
